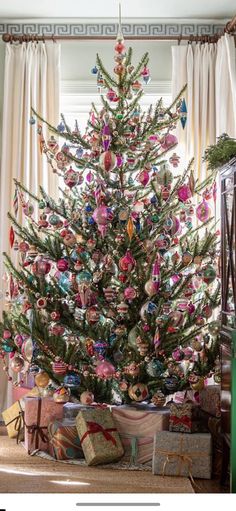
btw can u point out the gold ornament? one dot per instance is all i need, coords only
(138, 392)
(130, 228)
(42, 379)
(199, 385)
(61, 395)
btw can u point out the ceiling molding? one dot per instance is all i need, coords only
(151, 29)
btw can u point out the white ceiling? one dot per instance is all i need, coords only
(196, 9)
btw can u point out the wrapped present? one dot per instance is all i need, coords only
(209, 399)
(137, 428)
(98, 435)
(71, 410)
(13, 419)
(184, 418)
(38, 413)
(180, 454)
(64, 442)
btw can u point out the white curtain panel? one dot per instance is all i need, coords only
(225, 80)
(210, 74)
(31, 79)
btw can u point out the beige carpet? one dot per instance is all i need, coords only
(20, 473)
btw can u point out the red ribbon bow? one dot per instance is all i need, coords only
(94, 427)
(185, 420)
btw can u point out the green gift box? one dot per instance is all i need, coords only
(98, 436)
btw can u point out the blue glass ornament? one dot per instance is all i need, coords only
(88, 208)
(183, 113)
(171, 383)
(94, 70)
(151, 308)
(64, 282)
(61, 127)
(79, 152)
(155, 368)
(6, 348)
(72, 380)
(100, 347)
(112, 339)
(91, 221)
(34, 369)
(153, 199)
(83, 276)
(146, 79)
(32, 120)
(74, 256)
(137, 225)
(54, 219)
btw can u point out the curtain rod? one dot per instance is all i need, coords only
(25, 38)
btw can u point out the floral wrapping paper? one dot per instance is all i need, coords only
(36, 430)
(137, 429)
(13, 419)
(180, 454)
(184, 418)
(64, 442)
(99, 437)
(209, 399)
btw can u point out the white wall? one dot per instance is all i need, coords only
(78, 57)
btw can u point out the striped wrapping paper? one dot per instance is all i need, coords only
(64, 442)
(137, 429)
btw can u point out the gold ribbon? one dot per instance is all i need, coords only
(182, 459)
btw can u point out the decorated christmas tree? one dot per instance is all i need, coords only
(114, 293)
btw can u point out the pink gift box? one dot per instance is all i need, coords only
(137, 429)
(38, 413)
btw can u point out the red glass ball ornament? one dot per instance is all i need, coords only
(108, 161)
(127, 262)
(119, 47)
(62, 265)
(105, 370)
(41, 267)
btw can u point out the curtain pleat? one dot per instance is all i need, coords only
(31, 79)
(210, 73)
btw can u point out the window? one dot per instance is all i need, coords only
(76, 99)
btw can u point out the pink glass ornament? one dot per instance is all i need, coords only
(105, 370)
(89, 177)
(168, 141)
(184, 193)
(100, 215)
(143, 177)
(127, 262)
(106, 138)
(130, 293)
(203, 211)
(71, 177)
(119, 160)
(191, 308)
(6, 334)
